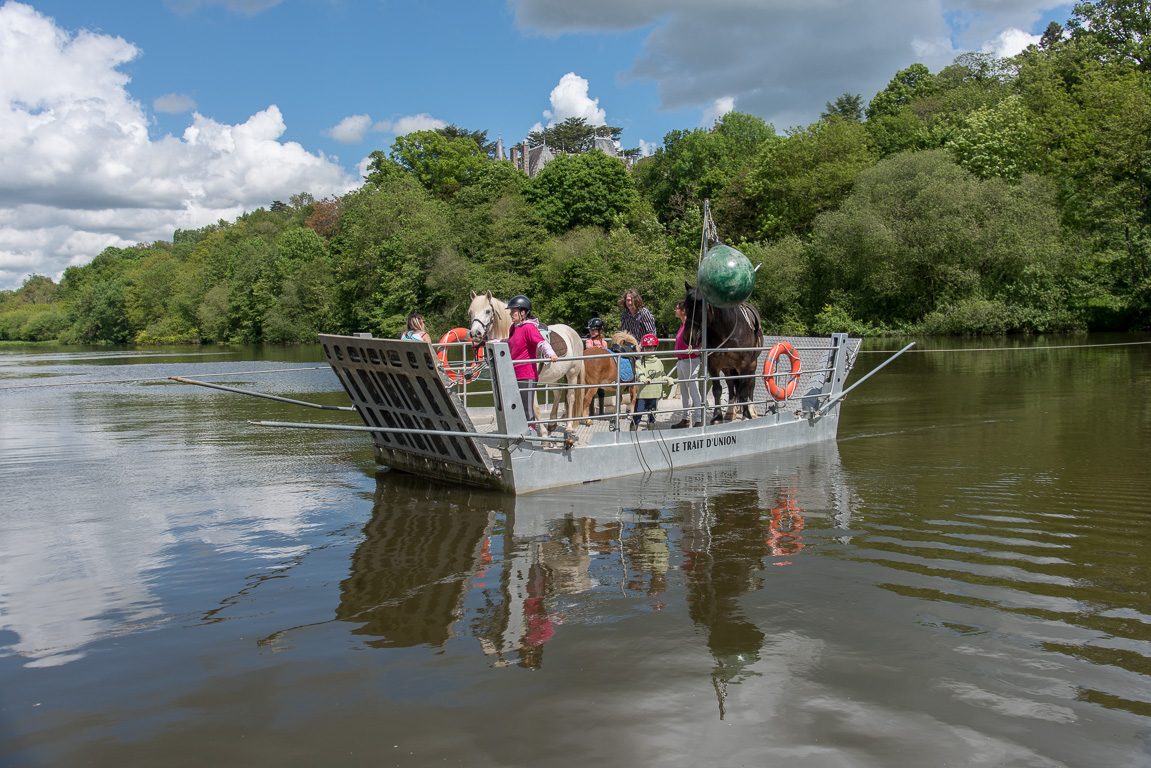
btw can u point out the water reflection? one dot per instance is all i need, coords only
(511, 573)
(415, 566)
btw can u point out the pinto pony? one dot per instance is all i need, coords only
(490, 321)
(727, 329)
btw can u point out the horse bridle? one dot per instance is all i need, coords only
(484, 327)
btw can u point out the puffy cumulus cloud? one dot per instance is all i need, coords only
(783, 59)
(174, 103)
(570, 99)
(718, 109)
(78, 171)
(351, 130)
(1010, 42)
(409, 124)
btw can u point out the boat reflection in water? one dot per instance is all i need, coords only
(439, 563)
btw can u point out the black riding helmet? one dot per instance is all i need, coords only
(595, 324)
(520, 302)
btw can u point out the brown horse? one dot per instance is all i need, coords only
(601, 371)
(735, 328)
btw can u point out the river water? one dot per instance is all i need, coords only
(961, 579)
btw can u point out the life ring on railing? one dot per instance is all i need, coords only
(469, 372)
(782, 348)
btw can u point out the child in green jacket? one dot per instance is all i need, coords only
(651, 377)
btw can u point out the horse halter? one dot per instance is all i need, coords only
(484, 327)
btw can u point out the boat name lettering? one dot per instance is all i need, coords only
(703, 442)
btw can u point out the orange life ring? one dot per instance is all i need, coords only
(469, 373)
(782, 348)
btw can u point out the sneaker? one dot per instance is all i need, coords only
(634, 427)
(681, 424)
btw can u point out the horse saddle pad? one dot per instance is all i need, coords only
(626, 365)
(556, 340)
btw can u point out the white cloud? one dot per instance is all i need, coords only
(409, 123)
(242, 7)
(784, 59)
(174, 103)
(718, 109)
(78, 170)
(570, 99)
(1010, 42)
(351, 130)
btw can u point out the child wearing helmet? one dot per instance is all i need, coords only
(595, 338)
(526, 343)
(651, 377)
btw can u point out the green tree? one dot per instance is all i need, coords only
(849, 106)
(808, 173)
(453, 131)
(585, 271)
(1121, 27)
(919, 236)
(997, 141)
(389, 238)
(699, 164)
(1091, 123)
(573, 135)
(442, 165)
(915, 82)
(581, 190)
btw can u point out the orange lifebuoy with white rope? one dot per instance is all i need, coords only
(469, 372)
(769, 374)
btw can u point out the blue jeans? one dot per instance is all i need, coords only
(647, 404)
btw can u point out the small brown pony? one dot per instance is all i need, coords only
(602, 372)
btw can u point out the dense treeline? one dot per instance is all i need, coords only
(995, 196)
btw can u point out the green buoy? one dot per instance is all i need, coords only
(725, 276)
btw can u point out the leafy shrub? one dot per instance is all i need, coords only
(978, 317)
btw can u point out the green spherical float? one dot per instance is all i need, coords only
(725, 277)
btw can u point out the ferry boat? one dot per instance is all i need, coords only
(436, 419)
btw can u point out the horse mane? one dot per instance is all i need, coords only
(619, 337)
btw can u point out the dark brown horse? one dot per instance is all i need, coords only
(736, 328)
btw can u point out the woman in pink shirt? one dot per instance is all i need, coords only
(526, 343)
(686, 367)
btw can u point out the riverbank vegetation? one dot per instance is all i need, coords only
(995, 196)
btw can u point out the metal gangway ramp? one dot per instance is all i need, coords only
(400, 387)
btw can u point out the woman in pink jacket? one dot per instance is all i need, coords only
(526, 343)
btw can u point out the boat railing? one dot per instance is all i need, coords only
(810, 400)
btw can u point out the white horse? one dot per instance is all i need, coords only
(490, 321)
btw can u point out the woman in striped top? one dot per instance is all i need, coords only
(635, 318)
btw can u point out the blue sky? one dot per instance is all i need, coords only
(124, 121)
